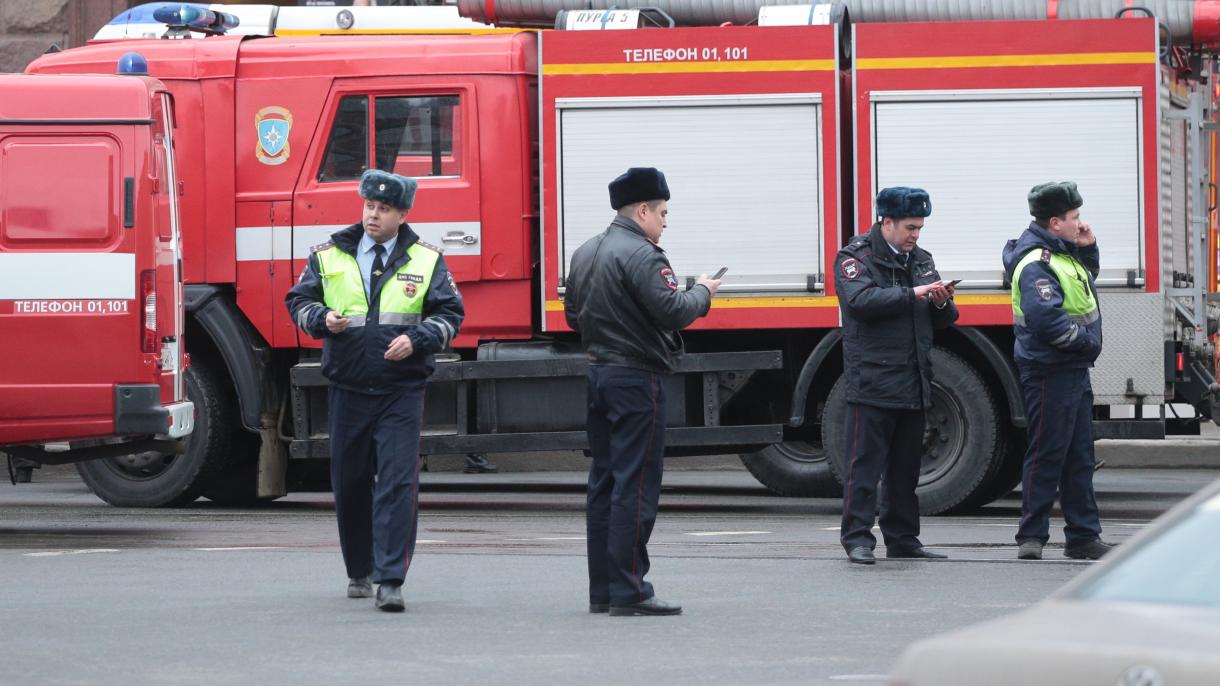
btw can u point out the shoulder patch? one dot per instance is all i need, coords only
(1046, 255)
(322, 246)
(425, 244)
(668, 278)
(1044, 288)
(850, 268)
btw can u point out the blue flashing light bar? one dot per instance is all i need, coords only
(195, 17)
(143, 14)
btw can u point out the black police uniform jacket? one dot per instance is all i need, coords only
(624, 300)
(354, 359)
(887, 332)
(1045, 320)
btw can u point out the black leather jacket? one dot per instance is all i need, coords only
(624, 300)
(887, 333)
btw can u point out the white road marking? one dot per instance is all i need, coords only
(560, 538)
(86, 551)
(242, 547)
(726, 533)
(859, 677)
(429, 540)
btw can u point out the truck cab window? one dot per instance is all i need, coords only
(419, 136)
(347, 149)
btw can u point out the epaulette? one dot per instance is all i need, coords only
(1046, 255)
(322, 246)
(425, 244)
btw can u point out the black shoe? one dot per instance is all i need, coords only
(477, 464)
(861, 555)
(919, 553)
(1029, 550)
(652, 606)
(389, 598)
(1087, 550)
(599, 608)
(360, 588)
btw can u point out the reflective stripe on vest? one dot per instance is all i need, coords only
(402, 293)
(1078, 300)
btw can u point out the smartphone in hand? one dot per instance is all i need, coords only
(954, 282)
(720, 274)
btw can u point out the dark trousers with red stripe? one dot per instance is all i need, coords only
(626, 427)
(1059, 457)
(882, 441)
(374, 471)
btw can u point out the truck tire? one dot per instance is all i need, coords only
(964, 449)
(794, 468)
(1009, 475)
(153, 479)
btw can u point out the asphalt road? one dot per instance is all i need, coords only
(496, 595)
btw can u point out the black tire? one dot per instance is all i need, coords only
(156, 480)
(964, 449)
(237, 482)
(794, 468)
(1009, 475)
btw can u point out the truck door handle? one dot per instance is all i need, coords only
(456, 237)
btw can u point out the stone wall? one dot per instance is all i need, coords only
(29, 27)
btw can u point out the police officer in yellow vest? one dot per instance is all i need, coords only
(1057, 325)
(383, 302)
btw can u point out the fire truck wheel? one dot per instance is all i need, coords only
(153, 479)
(237, 484)
(964, 446)
(794, 468)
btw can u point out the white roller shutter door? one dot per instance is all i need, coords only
(978, 158)
(744, 173)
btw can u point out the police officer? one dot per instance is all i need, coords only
(1058, 336)
(383, 303)
(623, 298)
(891, 298)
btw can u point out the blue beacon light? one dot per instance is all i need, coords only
(132, 64)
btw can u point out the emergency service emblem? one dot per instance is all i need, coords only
(1044, 288)
(272, 125)
(671, 281)
(850, 267)
(410, 289)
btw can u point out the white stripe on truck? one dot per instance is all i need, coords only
(62, 275)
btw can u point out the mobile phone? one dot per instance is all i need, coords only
(720, 274)
(955, 282)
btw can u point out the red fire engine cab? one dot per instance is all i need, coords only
(775, 138)
(91, 321)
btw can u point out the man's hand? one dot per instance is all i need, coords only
(335, 323)
(400, 348)
(706, 281)
(936, 290)
(1085, 237)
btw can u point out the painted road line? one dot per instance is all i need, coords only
(85, 551)
(726, 533)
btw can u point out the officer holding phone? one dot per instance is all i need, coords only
(891, 298)
(623, 298)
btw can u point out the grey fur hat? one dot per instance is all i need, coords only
(391, 189)
(1052, 199)
(897, 202)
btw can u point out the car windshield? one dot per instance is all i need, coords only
(1180, 566)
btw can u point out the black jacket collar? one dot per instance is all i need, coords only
(348, 240)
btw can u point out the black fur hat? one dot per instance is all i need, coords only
(1052, 199)
(391, 189)
(638, 184)
(900, 201)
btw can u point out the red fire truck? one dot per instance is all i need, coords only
(775, 138)
(91, 354)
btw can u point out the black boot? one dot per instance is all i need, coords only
(477, 464)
